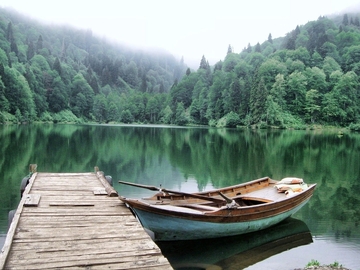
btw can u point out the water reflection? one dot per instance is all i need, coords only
(198, 159)
(237, 252)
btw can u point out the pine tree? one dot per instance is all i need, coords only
(356, 21)
(14, 47)
(162, 87)
(57, 66)
(11, 39)
(258, 98)
(9, 32)
(270, 38)
(204, 64)
(30, 51)
(257, 48)
(345, 20)
(229, 50)
(249, 49)
(218, 66)
(143, 86)
(39, 44)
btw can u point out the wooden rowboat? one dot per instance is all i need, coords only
(243, 208)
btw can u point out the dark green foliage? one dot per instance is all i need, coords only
(356, 21)
(258, 96)
(65, 68)
(232, 97)
(4, 103)
(81, 97)
(126, 117)
(57, 66)
(230, 62)
(100, 108)
(310, 76)
(31, 50)
(182, 92)
(57, 97)
(180, 116)
(204, 64)
(39, 44)
(18, 95)
(232, 119)
(257, 47)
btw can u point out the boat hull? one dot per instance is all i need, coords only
(253, 206)
(169, 228)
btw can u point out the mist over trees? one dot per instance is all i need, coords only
(308, 77)
(61, 74)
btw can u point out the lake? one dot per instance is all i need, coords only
(197, 159)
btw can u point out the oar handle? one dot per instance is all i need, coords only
(193, 195)
(140, 186)
(226, 198)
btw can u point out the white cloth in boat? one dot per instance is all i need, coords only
(293, 187)
(291, 180)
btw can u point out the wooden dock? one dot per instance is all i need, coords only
(76, 221)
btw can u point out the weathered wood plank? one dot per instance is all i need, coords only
(100, 192)
(32, 220)
(84, 260)
(73, 228)
(109, 189)
(125, 224)
(32, 200)
(118, 243)
(12, 230)
(65, 253)
(89, 196)
(73, 204)
(131, 236)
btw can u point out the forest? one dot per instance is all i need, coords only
(60, 74)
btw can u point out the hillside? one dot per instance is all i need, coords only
(308, 77)
(59, 72)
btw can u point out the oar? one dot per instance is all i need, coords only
(230, 202)
(153, 188)
(226, 198)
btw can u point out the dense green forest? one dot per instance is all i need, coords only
(61, 74)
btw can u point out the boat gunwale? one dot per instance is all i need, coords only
(241, 185)
(214, 192)
(228, 215)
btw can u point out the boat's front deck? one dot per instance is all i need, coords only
(268, 193)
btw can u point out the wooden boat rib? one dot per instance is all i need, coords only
(254, 206)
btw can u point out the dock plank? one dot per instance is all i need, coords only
(68, 226)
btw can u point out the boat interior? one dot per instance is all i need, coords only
(253, 193)
(257, 192)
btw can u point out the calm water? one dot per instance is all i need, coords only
(196, 159)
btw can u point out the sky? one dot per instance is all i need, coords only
(185, 28)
